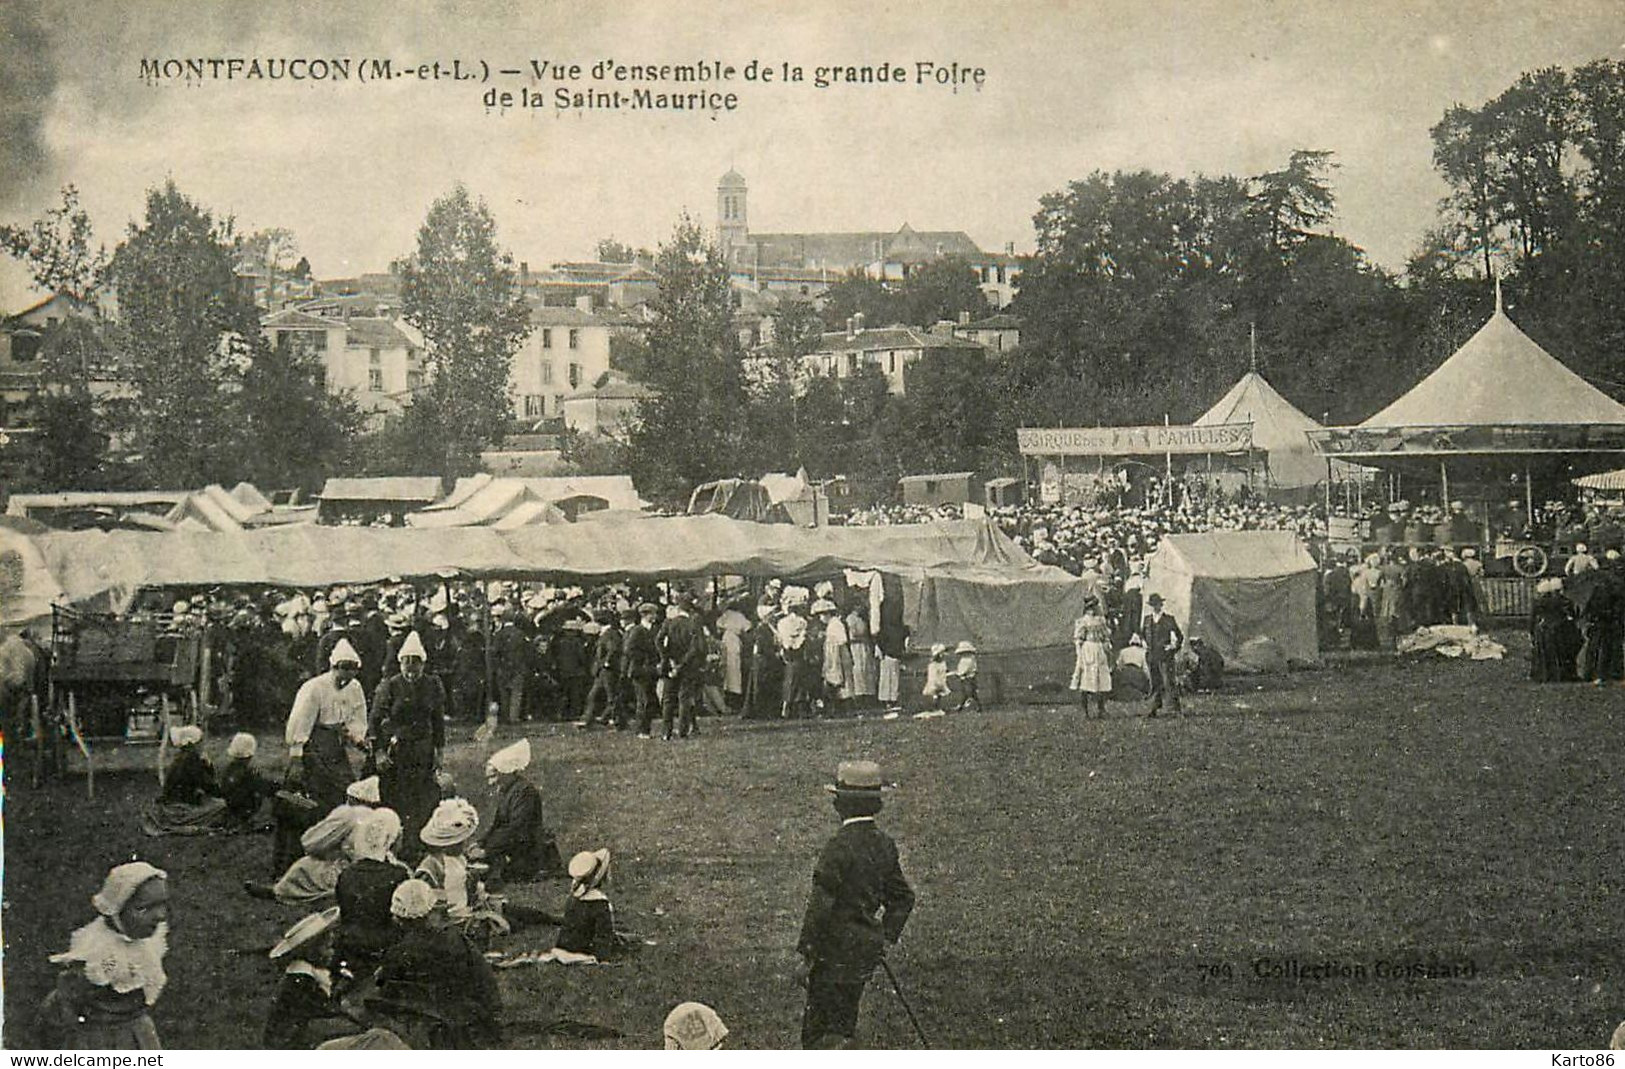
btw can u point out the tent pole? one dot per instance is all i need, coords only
(1168, 460)
(1063, 480)
(1444, 484)
(1529, 497)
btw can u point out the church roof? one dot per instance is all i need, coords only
(1500, 376)
(732, 180)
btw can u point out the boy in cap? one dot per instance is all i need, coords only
(860, 901)
(1162, 641)
(409, 734)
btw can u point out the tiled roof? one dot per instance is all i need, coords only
(293, 319)
(893, 337)
(998, 322)
(549, 315)
(364, 332)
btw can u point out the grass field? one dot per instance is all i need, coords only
(1081, 882)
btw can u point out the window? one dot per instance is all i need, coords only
(318, 341)
(534, 406)
(321, 375)
(414, 380)
(547, 372)
(373, 357)
(930, 486)
(575, 374)
(851, 363)
(575, 338)
(558, 402)
(24, 346)
(375, 379)
(891, 362)
(547, 337)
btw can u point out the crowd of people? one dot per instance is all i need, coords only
(616, 656)
(1069, 536)
(392, 952)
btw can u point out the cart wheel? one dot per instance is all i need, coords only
(1529, 561)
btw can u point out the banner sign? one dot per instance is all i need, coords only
(1491, 438)
(1133, 441)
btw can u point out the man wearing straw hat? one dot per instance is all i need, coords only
(328, 711)
(860, 901)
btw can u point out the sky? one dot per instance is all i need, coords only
(1183, 86)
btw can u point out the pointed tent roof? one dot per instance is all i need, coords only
(1500, 377)
(1278, 429)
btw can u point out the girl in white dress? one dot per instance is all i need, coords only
(1092, 674)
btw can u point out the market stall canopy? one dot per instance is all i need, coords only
(616, 490)
(963, 574)
(500, 503)
(1603, 480)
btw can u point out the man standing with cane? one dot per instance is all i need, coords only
(860, 901)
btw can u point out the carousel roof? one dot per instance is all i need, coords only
(1500, 377)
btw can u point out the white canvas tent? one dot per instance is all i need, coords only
(1278, 430)
(1229, 587)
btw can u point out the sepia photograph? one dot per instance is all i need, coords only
(694, 525)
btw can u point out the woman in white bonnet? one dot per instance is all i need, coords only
(114, 967)
(694, 1026)
(190, 802)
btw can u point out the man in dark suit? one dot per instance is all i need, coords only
(640, 660)
(1162, 641)
(682, 652)
(860, 901)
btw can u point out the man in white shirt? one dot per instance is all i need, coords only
(329, 710)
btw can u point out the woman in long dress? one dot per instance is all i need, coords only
(1092, 673)
(862, 647)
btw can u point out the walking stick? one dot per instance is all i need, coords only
(897, 987)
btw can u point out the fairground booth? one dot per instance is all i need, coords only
(1252, 439)
(1472, 453)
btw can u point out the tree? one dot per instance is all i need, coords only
(611, 251)
(591, 454)
(938, 290)
(273, 249)
(1290, 203)
(186, 338)
(694, 429)
(461, 290)
(213, 402)
(297, 433)
(56, 248)
(856, 293)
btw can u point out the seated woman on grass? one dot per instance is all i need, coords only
(517, 845)
(190, 803)
(365, 928)
(435, 990)
(241, 785)
(313, 878)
